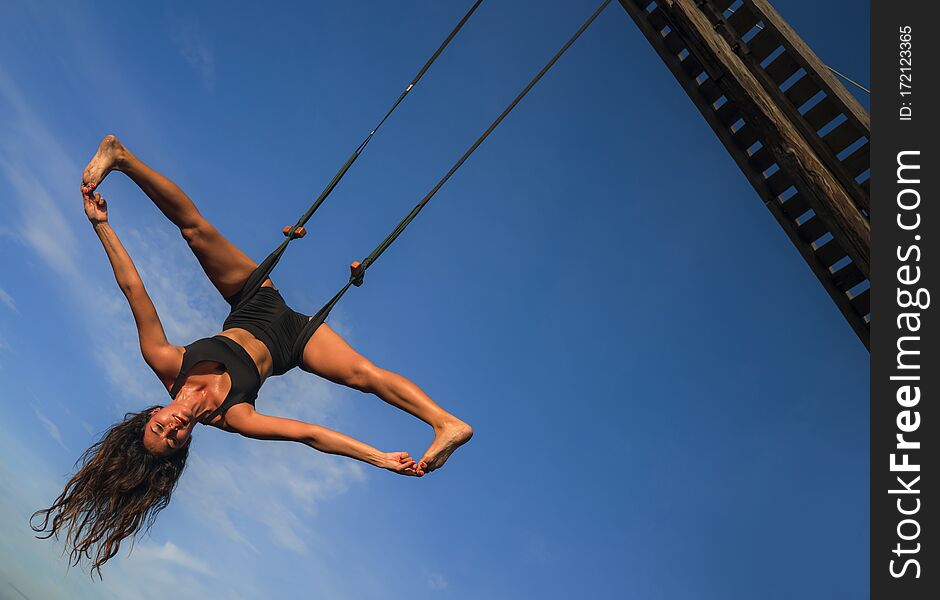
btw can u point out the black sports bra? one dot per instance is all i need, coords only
(238, 364)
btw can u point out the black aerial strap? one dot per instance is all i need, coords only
(260, 274)
(359, 269)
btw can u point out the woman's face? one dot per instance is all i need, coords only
(168, 429)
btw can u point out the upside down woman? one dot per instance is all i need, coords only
(127, 477)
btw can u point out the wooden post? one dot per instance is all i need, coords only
(811, 177)
(834, 90)
(797, 46)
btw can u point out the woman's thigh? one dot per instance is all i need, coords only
(331, 357)
(224, 263)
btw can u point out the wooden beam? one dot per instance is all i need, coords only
(815, 182)
(703, 95)
(811, 63)
(837, 99)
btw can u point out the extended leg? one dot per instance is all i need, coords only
(226, 266)
(328, 355)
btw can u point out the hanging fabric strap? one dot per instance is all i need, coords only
(358, 272)
(257, 278)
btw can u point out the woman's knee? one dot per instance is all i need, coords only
(196, 232)
(364, 376)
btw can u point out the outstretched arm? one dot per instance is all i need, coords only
(265, 427)
(162, 357)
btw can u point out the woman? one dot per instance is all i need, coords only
(127, 477)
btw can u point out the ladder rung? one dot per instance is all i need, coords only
(691, 66)
(862, 302)
(858, 161)
(781, 68)
(743, 20)
(763, 44)
(847, 277)
(728, 114)
(778, 182)
(658, 20)
(824, 111)
(842, 137)
(762, 159)
(801, 91)
(812, 229)
(673, 43)
(830, 253)
(710, 90)
(745, 137)
(795, 206)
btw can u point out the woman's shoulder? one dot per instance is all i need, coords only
(235, 418)
(166, 363)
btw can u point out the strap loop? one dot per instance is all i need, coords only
(356, 273)
(294, 232)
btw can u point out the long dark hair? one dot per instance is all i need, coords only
(118, 490)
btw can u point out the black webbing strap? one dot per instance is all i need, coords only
(383, 246)
(258, 277)
(314, 323)
(221, 410)
(420, 74)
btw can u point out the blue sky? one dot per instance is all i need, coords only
(666, 402)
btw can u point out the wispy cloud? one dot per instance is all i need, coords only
(276, 485)
(192, 43)
(76, 419)
(51, 428)
(7, 299)
(35, 165)
(188, 306)
(436, 582)
(19, 593)
(172, 554)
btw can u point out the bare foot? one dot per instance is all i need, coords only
(109, 156)
(447, 439)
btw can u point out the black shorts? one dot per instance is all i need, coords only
(267, 317)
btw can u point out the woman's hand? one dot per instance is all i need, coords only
(96, 209)
(401, 463)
